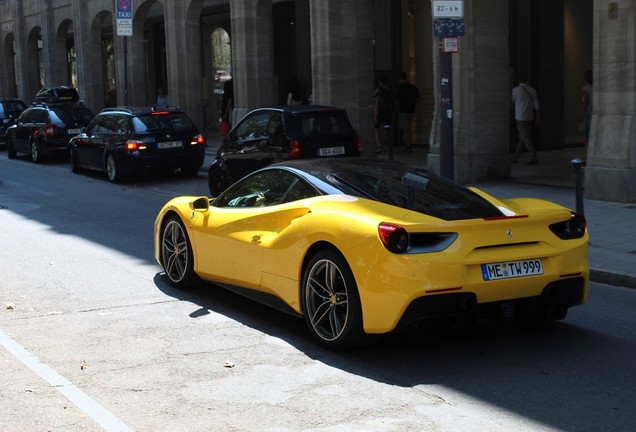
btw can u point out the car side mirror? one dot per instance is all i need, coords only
(200, 204)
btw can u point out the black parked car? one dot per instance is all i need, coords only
(125, 141)
(268, 135)
(44, 128)
(10, 109)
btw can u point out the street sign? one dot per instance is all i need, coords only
(449, 27)
(448, 9)
(450, 44)
(124, 16)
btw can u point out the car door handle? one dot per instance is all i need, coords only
(256, 239)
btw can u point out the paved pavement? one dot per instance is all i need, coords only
(612, 226)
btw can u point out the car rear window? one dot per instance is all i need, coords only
(416, 190)
(79, 116)
(329, 122)
(12, 107)
(162, 121)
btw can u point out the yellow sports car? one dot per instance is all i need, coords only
(364, 246)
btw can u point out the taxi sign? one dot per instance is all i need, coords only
(124, 15)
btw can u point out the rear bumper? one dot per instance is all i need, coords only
(132, 163)
(403, 288)
(457, 306)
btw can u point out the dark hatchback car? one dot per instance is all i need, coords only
(268, 135)
(43, 129)
(10, 109)
(126, 141)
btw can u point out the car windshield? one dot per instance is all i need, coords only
(177, 121)
(328, 122)
(415, 189)
(72, 117)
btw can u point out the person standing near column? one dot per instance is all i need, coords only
(407, 96)
(526, 105)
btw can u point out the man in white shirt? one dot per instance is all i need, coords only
(526, 103)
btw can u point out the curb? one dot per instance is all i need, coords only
(613, 278)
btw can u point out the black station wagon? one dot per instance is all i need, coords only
(126, 141)
(268, 135)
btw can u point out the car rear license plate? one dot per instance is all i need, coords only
(73, 131)
(169, 144)
(331, 151)
(511, 269)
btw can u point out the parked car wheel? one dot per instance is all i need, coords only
(176, 253)
(36, 155)
(112, 169)
(11, 154)
(330, 301)
(74, 162)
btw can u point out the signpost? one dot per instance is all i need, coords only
(448, 24)
(124, 16)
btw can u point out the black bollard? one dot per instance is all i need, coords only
(578, 174)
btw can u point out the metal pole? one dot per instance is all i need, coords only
(578, 174)
(446, 150)
(125, 70)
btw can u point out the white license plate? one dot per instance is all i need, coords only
(169, 144)
(73, 131)
(331, 151)
(511, 269)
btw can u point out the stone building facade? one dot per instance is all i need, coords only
(337, 49)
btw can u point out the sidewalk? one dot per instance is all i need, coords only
(612, 226)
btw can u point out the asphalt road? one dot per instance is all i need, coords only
(93, 338)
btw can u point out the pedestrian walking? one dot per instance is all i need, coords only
(526, 105)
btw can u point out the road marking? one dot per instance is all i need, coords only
(84, 402)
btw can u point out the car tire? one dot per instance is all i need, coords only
(36, 154)
(112, 169)
(11, 154)
(75, 166)
(330, 301)
(177, 257)
(218, 180)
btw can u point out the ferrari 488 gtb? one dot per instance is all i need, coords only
(363, 246)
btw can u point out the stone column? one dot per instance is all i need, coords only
(342, 61)
(252, 55)
(610, 173)
(48, 44)
(25, 87)
(89, 70)
(183, 47)
(481, 95)
(7, 59)
(424, 76)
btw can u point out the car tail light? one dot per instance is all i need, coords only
(294, 149)
(572, 228)
(49, 131)
(358, 145)
(393, 237)
(197, 139)
(135, 145)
